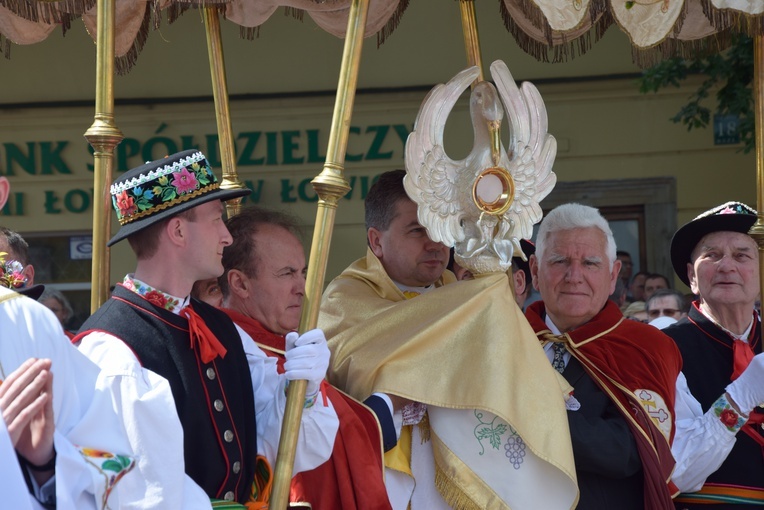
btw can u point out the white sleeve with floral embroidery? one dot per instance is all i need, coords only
(84, 438)
(702, 440)
(319, 422)
(146, 409)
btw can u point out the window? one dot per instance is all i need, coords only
(62, 260)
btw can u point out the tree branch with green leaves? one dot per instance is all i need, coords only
(729, 73)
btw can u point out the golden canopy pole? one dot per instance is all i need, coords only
(103, 136)
(330, 186)
(222, 111)
(757, 231)
(471, 39)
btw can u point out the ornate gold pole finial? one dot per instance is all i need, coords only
(471, 39)
(330, 185)
(222, 111)
(103, 136)
(757, 231)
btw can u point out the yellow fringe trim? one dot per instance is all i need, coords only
(452, 494)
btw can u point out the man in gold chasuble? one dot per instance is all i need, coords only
(479, 413)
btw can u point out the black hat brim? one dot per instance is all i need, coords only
(528, 247)
(687, 238)
(135, 226)
(34, 292)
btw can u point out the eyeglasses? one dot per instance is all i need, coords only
(662, 311)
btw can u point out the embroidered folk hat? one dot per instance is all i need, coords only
(163, 188)
(732, 216)
(12, 277)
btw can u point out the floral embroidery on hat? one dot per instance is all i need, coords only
(11, 273)
(152, 295)
(184, 181)
(728, 208)
(162, 188)
(125, 204)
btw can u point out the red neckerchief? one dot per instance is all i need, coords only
(276, 343)
(202, 338)
(753, 339)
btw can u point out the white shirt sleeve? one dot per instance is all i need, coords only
(145, 411)
(701, 442)
(81, 415)
(319, 425)
(12, 485)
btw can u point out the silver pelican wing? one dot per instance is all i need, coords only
(433, 180)
(532, 150)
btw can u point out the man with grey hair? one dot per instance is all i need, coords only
(623, 372)
(719, 436)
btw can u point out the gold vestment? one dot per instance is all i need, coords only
(464, 346)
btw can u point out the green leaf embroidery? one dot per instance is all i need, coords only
(143, 204)
(168, 194)
(488, 430)
(112, 465)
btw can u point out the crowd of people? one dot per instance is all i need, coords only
(648, 297)
(427, 387)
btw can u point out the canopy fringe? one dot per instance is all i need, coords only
(125, 63)
(249, 33)
(531, 11)
(597, 9)
(296, 13)
(156, 14)
(680, 19)
(601, 26)
(737, 21)
(203, 3)
(671, 48)
(48, 12)
(299, 14)
(174, 12)
(5, 44)
(392, 23)
(179, 7)
(563, 50)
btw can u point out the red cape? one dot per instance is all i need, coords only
(353, 477)
(622, 356)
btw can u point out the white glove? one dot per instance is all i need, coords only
(748, 390)
(307, 357)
